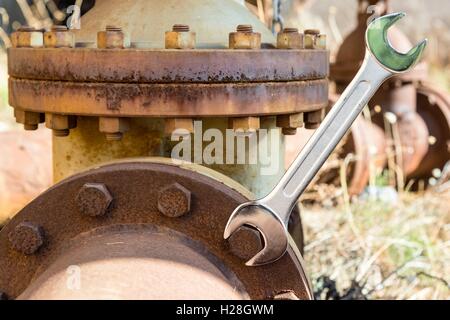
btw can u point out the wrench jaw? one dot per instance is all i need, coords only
(272, 229)
(378, 44)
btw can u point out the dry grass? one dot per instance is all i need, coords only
(398, 251)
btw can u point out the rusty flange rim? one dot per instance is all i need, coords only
(168, 100)
(58, 214)
(167, 66)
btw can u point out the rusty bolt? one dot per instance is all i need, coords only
(290, 123)
(314, 118)
(173, 124)
(59, 37)
(174, 201)
(27, 37)
(245, 124)
(30, 120)
(3, 296)
(180, 37)
(244, 38)
(27, 238)
(94, 199)
(246, 242)
(310, 38)
(112, 38)
(114, 128)
(286, 295)
(289, 38)
(60, 124)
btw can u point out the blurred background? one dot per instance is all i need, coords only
(386, 239)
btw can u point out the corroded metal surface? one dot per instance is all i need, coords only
(57, 212)
(168, 100)
(155, 262)
(167, 66)
(433, 106)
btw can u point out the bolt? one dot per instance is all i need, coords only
(290, 30)
(246, 124)
(59, 37)
(182, 123)
(290, 122)
(180, 37)
(180, 28)
(244, 38)
(113, 128)
(289, 38)
(112, 38)
(174, 201)
(27, 238)
(27, 37)
(286, 295)
(94, 199)
(244, 28)
(246, 242)
(314, 118)
(60, 124)
(113, 29)
(289, 131)
(310, 38)
(30, 120)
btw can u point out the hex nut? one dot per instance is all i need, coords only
(180, 38)
(27, 238)
(286, 295)
(314, 118)
(60, 124)
(174, 201)
(27, 37)
(310, 38)
(245, 242)
(290, 38)
(244, 38)
(111, 38)
(59, 37)
(173, 124)
(246, 124)
(113, 128)
(30, 120)
(94, 199)
(290, 120)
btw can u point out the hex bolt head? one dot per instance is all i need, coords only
(314, 118)
(174, 201)
(94, 199)
(30, 120)
(286, 295)
(27, 238)
(113, 128)
(246, 242)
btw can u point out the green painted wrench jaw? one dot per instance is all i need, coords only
(378, 43)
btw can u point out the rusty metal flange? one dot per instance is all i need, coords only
(167, 83)
(168, 100)
(167, 66)
(135, 189)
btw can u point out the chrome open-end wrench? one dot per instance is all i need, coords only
(270, 215)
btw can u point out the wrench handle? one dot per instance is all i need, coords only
(338, 121)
